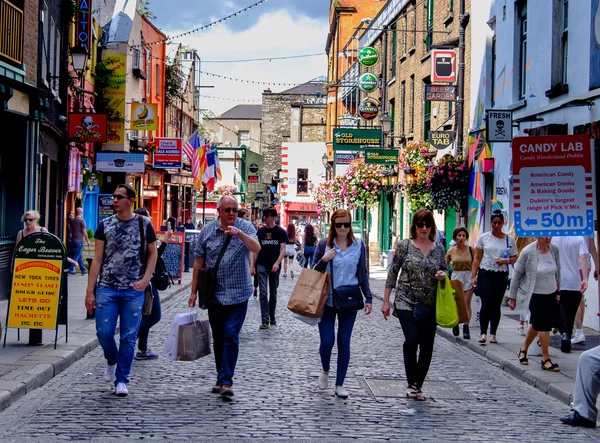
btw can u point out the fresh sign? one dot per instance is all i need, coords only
(553, 186)
(499, 125)
(368, 56)
(367, 82)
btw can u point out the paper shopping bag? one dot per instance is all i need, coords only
(310, 293)
(193, 341)
(461, 303)
(172, 341)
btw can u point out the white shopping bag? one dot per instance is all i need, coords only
(188, 318)
(308, 320)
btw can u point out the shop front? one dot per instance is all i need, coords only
(152, 196)
(179, 197)
(300, 214)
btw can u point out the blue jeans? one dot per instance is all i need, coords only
(78, 257)
(226, 323)
(344, 334)
(268, 304)
(148, 321)
(309, 252)
(110, 305)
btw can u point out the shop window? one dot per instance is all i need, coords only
(302, 182)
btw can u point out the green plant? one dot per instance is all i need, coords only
(144, 10)
(90, 233)
(173, 83)
(448, 183)
(414, 160)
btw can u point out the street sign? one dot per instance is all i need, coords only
(441, 139)
(443, 65)
(498, 125)
(168, 153)
(93, 179)
(350, 139)
(440, 93)
(381, 156)
(344, 159)
(553, 186)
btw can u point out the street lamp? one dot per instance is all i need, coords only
(325, 160)
(386, 123)
(409, 175)
(79, 58)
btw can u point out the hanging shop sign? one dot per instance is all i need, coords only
(441, 139)
(168, 153)
(368, 56)
(443, 65)
(119, 162)
(253, 179)
(499, 125)
(143, 117)
(253, 168)
(74, 178)
(350, 139)
(344, 159)
(367, 82)
(83, 24)
(88, 128)
(117, 64)
(440, 93)
(105, 207)
(368, 109)
(381, 156)
(93, 179)
(553, 186)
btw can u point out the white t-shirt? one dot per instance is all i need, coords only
(571, 248)
(493, 248)
(545, 279)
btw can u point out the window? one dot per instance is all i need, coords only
(243, 138)
(148, 69)
(157, 79)
(522, 27)
(302, 182)
(451, 6)
(493, 73)
(403, 108)
(412, 104)
(52, 53)
(136, 59)
(450, 110)
(45, 41)
(56, 61)
(426, 113)
(429, 25)
(394, 50)
(565, 41)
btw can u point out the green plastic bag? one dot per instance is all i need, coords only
(446, 312)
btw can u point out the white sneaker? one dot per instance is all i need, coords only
(579, 338)
(109, 373)
(121, 390)
(323, 381)
(341, 392)
(521, 330)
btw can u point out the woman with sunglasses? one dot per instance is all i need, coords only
(31, 219)
(347, 256)
(421, 263)
(461, 257)
(495, 251)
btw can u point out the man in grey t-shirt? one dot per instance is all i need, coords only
(78, 234)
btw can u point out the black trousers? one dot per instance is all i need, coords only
(569, 303)
(417, 348)
(491, 286)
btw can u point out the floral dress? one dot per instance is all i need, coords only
(417, 275)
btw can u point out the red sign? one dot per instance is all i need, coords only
(168, 153)
(88, 128)
(83, 24)
(253, 179)
(302, 207)
(443, 66)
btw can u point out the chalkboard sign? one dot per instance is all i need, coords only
(173, 255)
(191, 235)
(105, 207)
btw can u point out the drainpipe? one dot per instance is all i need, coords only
(460, 100)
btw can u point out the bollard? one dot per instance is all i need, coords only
(35, 337)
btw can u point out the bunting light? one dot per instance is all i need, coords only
(254, 82)
(244, 100)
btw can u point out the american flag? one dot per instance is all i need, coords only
(190, 148)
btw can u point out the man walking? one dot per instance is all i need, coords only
(78, 234)
(273, 239)
(233, 285)
(573, 251)
(124, 258)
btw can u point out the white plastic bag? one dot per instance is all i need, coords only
(188, 318)
(308, 320)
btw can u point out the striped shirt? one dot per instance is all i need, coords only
(234, 284)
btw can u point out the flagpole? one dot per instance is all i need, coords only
(203, 204)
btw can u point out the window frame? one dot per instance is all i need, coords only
(298, 181)
(522, 29)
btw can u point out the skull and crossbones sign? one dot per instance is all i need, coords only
(500, 132)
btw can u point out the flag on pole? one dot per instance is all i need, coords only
(191, 148)
(212, 173)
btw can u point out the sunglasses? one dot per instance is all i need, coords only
(423, 224)
(118, 197)
(29, 219)
(229, 210)
(342, 225)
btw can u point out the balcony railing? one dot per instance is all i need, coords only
(11, 31)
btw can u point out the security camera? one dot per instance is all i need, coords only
(62, 118)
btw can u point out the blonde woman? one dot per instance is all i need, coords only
(31, 219)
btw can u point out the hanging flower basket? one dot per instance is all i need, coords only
(448, 182)
(362, 184)
(328, 195)
(226, 190)
(415, 160)
(151, 146)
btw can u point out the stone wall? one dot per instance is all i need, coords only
(313, 123)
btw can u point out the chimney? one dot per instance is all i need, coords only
(267, 91)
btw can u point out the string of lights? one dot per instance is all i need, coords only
(264, 58)
(201, 28)
(254, 82)
(243, 100)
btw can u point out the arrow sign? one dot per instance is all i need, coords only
(531, 221)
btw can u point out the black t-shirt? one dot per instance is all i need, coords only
(270, 244)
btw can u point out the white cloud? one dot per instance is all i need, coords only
(275, 34)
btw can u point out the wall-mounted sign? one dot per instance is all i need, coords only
(88, 128)
(143, 117)
(93, 179)
(367, 82)
(74, 179)
(83, 24)
(168, 153)
(344, 159)
(443, 65)
(381, 156)
(368, 109)
(499, 125)
(150, 193)
(105, 207)
(117, 64)
(253, 179)
(351, 139)
(441, 139)
(253, 168)
(440, 93)
(368, 56)
(119, 162)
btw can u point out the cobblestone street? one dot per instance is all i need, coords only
(276, 394)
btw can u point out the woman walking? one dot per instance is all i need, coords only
(536, 286)
(495, 251)
(290, 250)
(421, 264)
(461, 257)
(309, 243)
(521, 243)
(344, 256)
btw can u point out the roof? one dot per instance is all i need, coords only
(243, 112)
(313, 87)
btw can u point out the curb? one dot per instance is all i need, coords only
(47, 362)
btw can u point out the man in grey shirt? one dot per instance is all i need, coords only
(78, 234)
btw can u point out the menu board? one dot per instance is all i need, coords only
(105, 207)
(173, 254)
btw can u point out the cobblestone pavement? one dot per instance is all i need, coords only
(469, 398)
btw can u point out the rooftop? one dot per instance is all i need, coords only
(243, 112)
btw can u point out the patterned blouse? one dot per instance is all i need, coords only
(417, 275)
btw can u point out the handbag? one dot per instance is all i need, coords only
(347, 298)
(193, 341)
(207, 280)
(161, 278)
(148, 301)
(310, 294)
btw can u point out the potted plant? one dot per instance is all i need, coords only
(448, 182)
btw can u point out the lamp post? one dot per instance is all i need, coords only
(386, 125)
(79, 59)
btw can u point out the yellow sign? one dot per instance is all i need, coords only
(35, 294)
(143, 117)
(117, 63)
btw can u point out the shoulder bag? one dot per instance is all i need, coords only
(347, 298)
(207, 280)
(148, 296)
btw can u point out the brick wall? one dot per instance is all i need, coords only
(30, 40)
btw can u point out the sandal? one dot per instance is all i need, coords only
(411, 392)
(493, 339)
(420, 396)
(523, 360)
(553, 366)
(482, 339)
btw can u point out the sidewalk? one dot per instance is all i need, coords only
(559, 385)
(24, 368)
